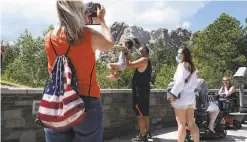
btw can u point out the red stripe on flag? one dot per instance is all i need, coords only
(69, 99)
(51, 105)
(78, 120)
(58, 105)
(66, 115)
(69, 88)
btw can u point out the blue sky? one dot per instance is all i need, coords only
(37, 15)
(211, 11)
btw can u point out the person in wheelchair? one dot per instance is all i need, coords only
(201, 92)
(227, 93)
(204, 102)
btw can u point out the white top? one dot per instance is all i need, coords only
(122, 58)
(186, 89)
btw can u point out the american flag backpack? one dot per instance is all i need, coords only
(61, 107)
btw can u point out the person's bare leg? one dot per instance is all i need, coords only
(181, 121)
(191, 124)
(212, 116)
(113, 67)
(146, 120)
(141, 125)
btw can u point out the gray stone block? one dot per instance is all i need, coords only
(12, 114)
(154, 121)
(106, 120)
(152, 102)
(122, 111)
(159, 119)
(35, 91)
(159, 126)
(165, 110)
(23, 103)
(15, 123)
(107, 100)
(20, 91)
(162, 114)
(28, 136)
(106, 107)
(136, 127)
(13, 135)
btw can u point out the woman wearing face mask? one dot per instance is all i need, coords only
(183, 96)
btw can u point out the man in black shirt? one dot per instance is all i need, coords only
(141, 91)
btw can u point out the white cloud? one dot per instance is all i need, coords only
(147, 14)
(184, 25)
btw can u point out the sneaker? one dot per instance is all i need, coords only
(140, 138)
(148, 135)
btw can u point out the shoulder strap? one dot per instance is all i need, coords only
(67, 51)
(187, 79)
(55, 50)
(89, 89)
(52, 45)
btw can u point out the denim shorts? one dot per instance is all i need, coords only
(90, 130)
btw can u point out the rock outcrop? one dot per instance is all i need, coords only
(121, 31)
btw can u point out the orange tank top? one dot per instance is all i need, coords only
(81, 55)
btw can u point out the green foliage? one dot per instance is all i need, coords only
(163, 54)
(9, 55)
(123, 83)
(30, 67)
(27, 61)
(165, 76)
(220, 49)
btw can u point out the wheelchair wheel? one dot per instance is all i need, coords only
(237, 124)
(189, 137)
(223, 134)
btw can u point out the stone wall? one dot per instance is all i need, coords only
(17, 119)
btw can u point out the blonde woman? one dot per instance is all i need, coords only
(72, 32)
(228, 91)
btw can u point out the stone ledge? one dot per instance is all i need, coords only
(13, 90)
(40, 91)
(104, 91)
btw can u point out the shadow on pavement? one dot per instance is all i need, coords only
(161, 140)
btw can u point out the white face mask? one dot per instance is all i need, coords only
(178, 59)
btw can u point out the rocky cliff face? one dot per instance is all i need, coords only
(121, 31)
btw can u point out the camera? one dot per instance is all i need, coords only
(91, 8)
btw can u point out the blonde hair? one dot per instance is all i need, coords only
(227, 78)
(71, 18)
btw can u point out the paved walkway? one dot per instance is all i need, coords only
(169, 134)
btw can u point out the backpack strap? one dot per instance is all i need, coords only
(89, 89)
(67, 51)
(55, 50)
(52, 45)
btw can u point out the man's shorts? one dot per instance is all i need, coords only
(141, 106)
